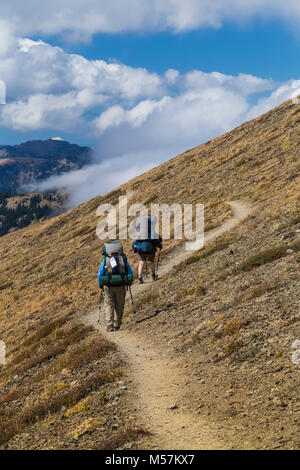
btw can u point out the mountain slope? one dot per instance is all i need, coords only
(228, 314)
(38, 159)
(159, 379)
(19, 211)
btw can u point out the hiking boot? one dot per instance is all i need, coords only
(154, 277)
(141, 280)
(116, 328)
(110, 328)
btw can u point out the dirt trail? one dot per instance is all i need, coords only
(159, 380)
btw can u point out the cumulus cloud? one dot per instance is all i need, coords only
(135, 117)
(50, 88)
(287, 91)
(243, 84)
(7, 37)
(138, 118)
(78, 20)
(134, 140)
(49, 69)
(43, 111)
(200, 107)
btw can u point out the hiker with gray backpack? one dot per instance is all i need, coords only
(146, 244)
(115, 274)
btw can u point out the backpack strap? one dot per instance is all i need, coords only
(108, 268)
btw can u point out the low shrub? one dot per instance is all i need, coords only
(38, 410)
(218, 245)
(53, 350)
(232, 347)
(262, 257)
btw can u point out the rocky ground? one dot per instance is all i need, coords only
(233, 335)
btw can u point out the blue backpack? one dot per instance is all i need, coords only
(146, 247)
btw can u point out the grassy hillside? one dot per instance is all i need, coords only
(230, 311)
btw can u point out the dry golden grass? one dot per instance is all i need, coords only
(233, 326)
(118, 439)
(260, 290)
(13, 395)
(45, 331)
(265, 256)
(232, 347)
(48, 270)
(147, 300)
(80, 407)
(81, 355)
(49, 351)
(38, 410)
(189, 295)
(219, 244)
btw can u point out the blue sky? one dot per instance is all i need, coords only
(265, 48)
(139, 80)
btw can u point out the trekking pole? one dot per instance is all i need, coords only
(158, 260)
(100, 303)
(147, 272)
(133, 309)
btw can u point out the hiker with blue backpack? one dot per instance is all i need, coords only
(115, 274)
(146, 245)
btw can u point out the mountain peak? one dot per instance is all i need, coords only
(37, 160)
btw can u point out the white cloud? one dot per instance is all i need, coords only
(172, 75)
(116, 115)
(283, 93)
(138, 118)
(244, 84)
(50, 88)
(7, 37)
(174, 124)
(25, 45)
(78, 20)
(200, 107)
(97, 179)
(165, 128)
(43, 111)
(39, 67)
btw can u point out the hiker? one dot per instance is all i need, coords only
(114, 275)
(146, 247)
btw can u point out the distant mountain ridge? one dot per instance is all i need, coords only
(37, 160)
